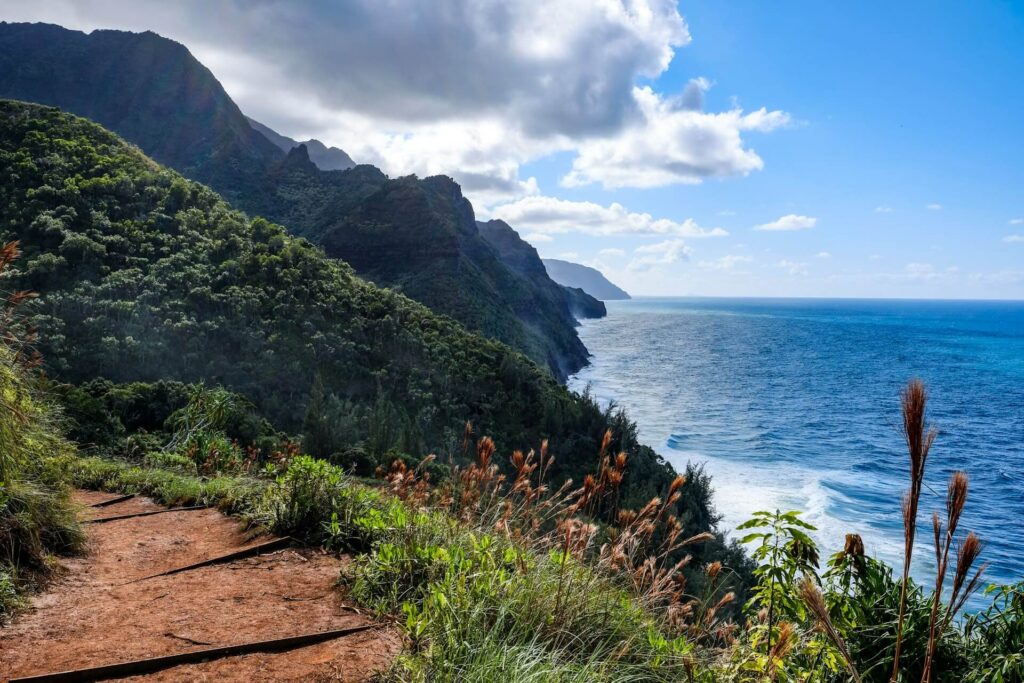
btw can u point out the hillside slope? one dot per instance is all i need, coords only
(417, 236)
(590, 280)
(520, 257)
(145, 276)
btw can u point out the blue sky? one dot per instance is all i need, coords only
(897, 106)
(878, 145)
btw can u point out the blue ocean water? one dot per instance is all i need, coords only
(795, 404)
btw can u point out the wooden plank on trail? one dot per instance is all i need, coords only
(100, 520)
(111, 501)
(144, 666)
(276, 544)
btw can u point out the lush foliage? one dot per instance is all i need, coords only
(503, 578)
(148, 280)
(418, 236)
(36, 518)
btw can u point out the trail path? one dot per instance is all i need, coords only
(99, 612)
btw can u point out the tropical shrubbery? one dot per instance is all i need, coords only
(36, 519)
(502, 578)
(154, 283)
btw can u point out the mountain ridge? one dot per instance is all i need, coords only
(590, 280)
(326, 158)
(186, 120)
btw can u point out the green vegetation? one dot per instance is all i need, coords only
(36, 519)
(417, 236)
(186, 342)
(498, 578)
(151, 282)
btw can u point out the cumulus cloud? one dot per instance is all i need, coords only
(470, 88)
(552, 215)
(660, 254)
(788, 222)
(1013, 238)
(671, 142)
(727, 262)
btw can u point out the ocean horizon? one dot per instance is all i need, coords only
(794, 404)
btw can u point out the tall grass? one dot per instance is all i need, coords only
(493, 576)
(36, 518)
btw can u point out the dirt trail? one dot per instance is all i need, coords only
(93, 615)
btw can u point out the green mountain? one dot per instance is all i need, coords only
(144, 275)
(520, 256)
(588, 279)
(326, 158)
(417, 236)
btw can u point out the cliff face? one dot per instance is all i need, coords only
(418, 236)
(520, 256)
(149, 89)
(588, 279)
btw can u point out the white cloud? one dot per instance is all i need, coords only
(727, 213)
(883, 209)
(875, 257)
(727, 262)
(538, 237)
(660, 254)
(613, 252)
(552, 215)
(793, 267)
(569, 255)
(934, 207)
(790, 221)
(823, 254)
(1016, 221)
(670, 143)
(1013, 238)
(470, 88)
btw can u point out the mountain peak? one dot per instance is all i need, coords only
(326, 158)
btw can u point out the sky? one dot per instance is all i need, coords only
(709, 148)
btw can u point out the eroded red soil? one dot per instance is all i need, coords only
(100, 613)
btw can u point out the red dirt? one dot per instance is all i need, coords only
(92, 616)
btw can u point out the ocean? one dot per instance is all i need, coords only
(794, 404)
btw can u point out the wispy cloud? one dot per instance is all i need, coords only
(614, 252)
(1013, 238)
(788, 222)
(538, 237)
(551, 215)
(660, 254)
(883, 209)
(934, 207)
(1016, 221)
(728, 262)
(823, 254)
(793, 267)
